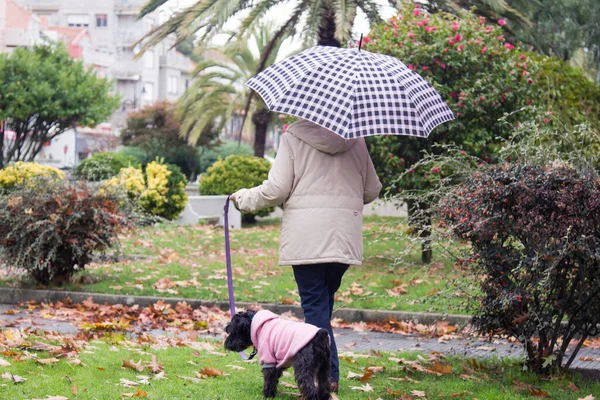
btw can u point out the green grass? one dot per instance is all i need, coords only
(194, 258)
(100, 375)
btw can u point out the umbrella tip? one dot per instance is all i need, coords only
(360, 42)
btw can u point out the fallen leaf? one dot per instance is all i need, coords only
(586, 358)
(74, 389)
(538, 393)
(363, 388)
(366, 376)
(139, 393)
(4, 363)
(15, 378)
(209, 371)
(128, 383)
(235, 367)
(133, 365)
(47, 361)
(418, 393)
(155, 367)
(352, 375)
(588, 397)
(441, 368)
(573, 388)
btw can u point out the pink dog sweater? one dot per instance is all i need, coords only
(278, 340)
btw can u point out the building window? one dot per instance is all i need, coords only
(78, 20)
(101, 20)
(149, 59)
(148, 93)
(172, 84)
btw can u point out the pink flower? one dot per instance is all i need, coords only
(461, 48)
(525, 73)
(443, 65)
(451, 42)
(385, 28)
(416, 13)
(430, 29)
(391, 156)
(457, 38)
(503, 96)
(530, 81)
(484, 49)
(445, 50)
(426, 175)
(546, 120)
(436, 170)
(410, 66)
(509, 46)
(436, 60)
(454, 95)
(285, 126)
(396, 34)
(489, 30)
(425, 67)
(523, 56)
(455, 26)
(501, 22)
(501, 38)
(412, 170)
(410, 35)
(417, 6)
(366, 39)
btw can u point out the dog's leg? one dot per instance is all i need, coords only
(271, 380)
(323, 355)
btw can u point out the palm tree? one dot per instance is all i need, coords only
(326, 22)
(217, 92)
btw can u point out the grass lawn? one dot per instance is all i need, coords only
(196, 369)
(189, 261)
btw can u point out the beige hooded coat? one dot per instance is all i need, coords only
(322, 180)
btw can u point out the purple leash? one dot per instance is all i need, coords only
(228, 262)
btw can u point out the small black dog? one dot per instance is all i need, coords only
(281, 344)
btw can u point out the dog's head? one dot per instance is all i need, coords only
(238, 331)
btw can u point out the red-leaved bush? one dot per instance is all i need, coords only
(51, 228)
(535, 246)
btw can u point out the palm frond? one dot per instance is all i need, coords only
(345, 12)
(257, 13)
(150, 6)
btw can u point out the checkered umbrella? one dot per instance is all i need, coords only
(352, 92)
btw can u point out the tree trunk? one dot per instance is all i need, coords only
(327, 29)
(419, 216)
(260, 119)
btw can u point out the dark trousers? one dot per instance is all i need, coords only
(317, 284)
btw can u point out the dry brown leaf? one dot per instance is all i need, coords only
(418, 393)
(139, 393)
(375, 369)
(352, 375)
(441, 368)
(573, 388)
(363, 388)
(128, 383)
(366, 376)
(154, 366)
(15, 378)
(538, 393)
(47, 361)
(4, 363)
(209, 371)
(133, 365)
(74, 389)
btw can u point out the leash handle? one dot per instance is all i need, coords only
(228, 262)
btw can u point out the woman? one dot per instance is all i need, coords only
(323, 181)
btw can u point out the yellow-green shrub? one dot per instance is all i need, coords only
(160, 191)
(25, 173)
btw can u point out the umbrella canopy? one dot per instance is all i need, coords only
(352, 92)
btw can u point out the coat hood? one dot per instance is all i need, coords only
(320, 138)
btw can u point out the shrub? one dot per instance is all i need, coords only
(25, 174)
(234, 173)
(159, 191)
(102, 166)
(51, 229)
(534, 235)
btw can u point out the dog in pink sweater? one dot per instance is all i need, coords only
(281, 344)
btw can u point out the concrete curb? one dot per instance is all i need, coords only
(14, 296)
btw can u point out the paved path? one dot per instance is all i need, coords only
(350, 340)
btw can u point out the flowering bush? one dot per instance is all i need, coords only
(51, 229)
(480, 75)
(534, 235)
(160, 191)
(234, 173)
(25, 174)
(102, 166)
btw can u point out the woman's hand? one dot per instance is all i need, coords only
(232, 198)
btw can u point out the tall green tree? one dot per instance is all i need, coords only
(218, 92)
(44, 92)
(155, 129)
